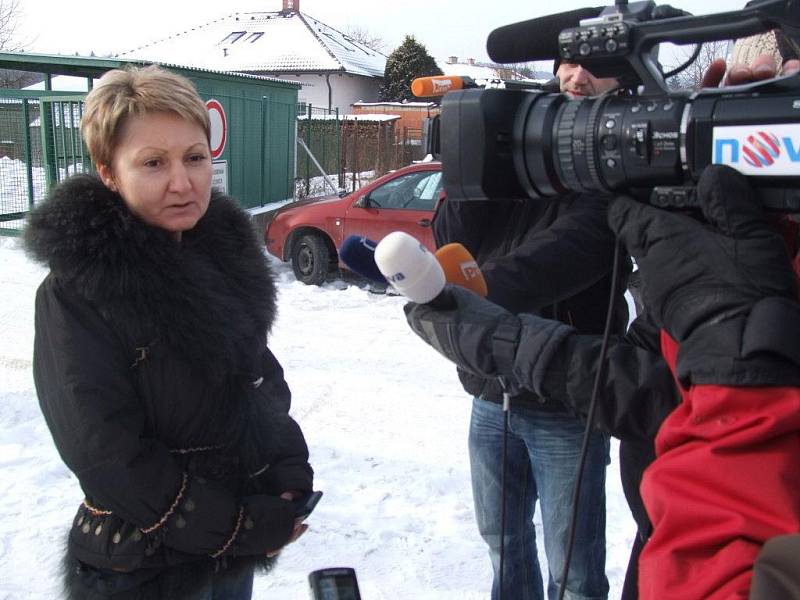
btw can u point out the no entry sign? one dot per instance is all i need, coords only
(219, 127)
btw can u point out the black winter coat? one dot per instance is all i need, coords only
(153, 374)
(548, 257)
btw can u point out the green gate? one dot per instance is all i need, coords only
(63, 151)
(39, 145)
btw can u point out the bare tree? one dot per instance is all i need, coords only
(691, 77)
(9, 21)
(366, 38)
(10, 42)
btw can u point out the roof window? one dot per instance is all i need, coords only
(232, 37)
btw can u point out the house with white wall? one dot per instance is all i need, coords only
(333, 69)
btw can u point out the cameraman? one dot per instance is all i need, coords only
(550, 258)
(726, 478)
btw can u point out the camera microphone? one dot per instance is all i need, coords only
(421, 276)
(534, 39)
(439, 85)
(358, 253)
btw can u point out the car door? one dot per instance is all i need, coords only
(404, 203)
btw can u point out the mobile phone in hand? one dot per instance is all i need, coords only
(305, 504)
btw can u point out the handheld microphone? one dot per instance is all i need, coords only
(410, 268)
(358, 253)
(439, 85)
(421, 276)
(461, 269)
(535, 39)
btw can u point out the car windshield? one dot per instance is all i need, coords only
(414, 191)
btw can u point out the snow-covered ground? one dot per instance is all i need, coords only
(386, 421)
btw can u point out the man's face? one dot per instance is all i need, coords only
(577, 81)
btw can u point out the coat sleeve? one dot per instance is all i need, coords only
(638, 390)
(724, 482)
(99, 428)
(287, 468)
(573, 253)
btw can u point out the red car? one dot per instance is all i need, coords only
(310, 232)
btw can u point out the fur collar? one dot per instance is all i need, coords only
(211, 297)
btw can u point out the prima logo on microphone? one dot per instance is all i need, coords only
(470, 270)
(396, 277)
(770, 149)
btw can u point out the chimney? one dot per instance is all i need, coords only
(291, 6)
(452, 60)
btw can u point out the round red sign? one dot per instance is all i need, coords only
(219, 127)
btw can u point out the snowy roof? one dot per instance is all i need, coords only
(271, 42)
(483, 73)
(397, 104)
(353, 117)
(467, 70)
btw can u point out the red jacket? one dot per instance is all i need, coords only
(726, 479)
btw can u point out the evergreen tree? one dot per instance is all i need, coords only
(409, 61)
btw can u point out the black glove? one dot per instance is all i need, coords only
(487, 340)
(709, 276)
(475, 334)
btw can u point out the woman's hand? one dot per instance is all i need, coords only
(299, 527)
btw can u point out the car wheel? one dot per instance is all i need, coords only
(310, 259)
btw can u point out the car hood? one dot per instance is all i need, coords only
(307, 201)
(268, 216)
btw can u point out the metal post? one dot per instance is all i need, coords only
(28, 151)
(355, 151)
(264, 133)
(339, 149)
(308, 143)
(73, 135)
(63, 140)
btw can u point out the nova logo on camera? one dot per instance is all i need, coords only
(769, 149)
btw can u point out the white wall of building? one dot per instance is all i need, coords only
(345, 89)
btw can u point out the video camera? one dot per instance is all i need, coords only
(653, 143)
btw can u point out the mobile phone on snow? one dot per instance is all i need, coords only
(337, 583)
(305, 504)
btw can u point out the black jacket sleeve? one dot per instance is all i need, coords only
(99, 427)
(638, 391)
(571, 254)
(532, 253)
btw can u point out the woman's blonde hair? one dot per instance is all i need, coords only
(121, 94)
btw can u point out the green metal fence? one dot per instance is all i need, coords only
(40, 145)
(63, 150)
(318, 133)
(38, 137)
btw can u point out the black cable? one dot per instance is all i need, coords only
(504, 465)
(599, 377)
(685, 65)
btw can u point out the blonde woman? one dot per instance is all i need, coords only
(151, 363)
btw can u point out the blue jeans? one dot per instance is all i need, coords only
(543, 452)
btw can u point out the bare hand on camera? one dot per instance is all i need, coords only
(762, 67)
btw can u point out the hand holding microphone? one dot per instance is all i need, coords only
(477, 335)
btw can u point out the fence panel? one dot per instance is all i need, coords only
(39, 145)
(355, 149)
(22, 177)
